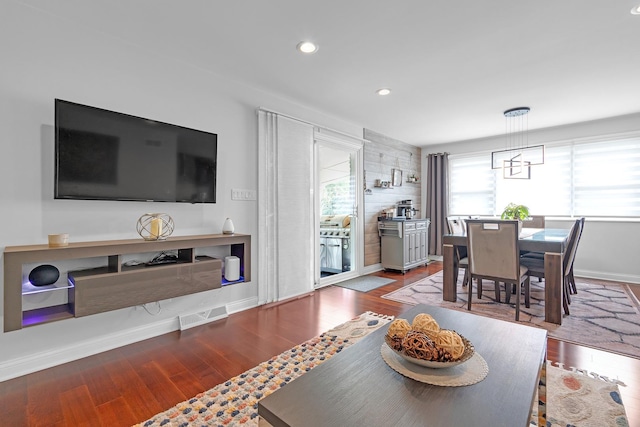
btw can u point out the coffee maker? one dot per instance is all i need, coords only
(405, 209)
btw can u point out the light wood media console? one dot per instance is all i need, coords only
(115, 285)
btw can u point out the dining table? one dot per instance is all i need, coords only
(551, 241)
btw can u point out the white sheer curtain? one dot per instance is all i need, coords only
(285, 207)
(267, 179)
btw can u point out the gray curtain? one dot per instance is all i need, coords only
(437, 199)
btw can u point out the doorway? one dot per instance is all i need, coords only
(337, 204)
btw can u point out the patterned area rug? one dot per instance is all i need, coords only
(581, 399)
(602, 315)
(235, 402)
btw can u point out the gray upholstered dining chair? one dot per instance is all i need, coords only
(536, 265)
(534, 221)
(494, 254)
(572, 281)
(456, 225)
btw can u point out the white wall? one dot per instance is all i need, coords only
(609, 248)
(44, 57)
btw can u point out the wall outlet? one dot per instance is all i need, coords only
(237, 194)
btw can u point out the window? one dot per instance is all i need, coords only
(472, 186)
(606, 178)
(336, 198)
(578, 179)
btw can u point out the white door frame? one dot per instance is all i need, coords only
(329, 138)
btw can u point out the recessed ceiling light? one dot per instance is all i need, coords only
(635, 10)
(307, 47)
(383, 91)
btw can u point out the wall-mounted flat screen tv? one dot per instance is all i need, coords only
(105, 155)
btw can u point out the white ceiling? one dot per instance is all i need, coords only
(454, 65)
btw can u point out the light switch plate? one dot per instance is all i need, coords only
(239, 194)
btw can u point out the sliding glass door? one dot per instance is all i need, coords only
(337, 201)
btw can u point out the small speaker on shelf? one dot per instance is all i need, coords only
(232, 268)
(44, 275)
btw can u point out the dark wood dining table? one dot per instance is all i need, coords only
(551, 241)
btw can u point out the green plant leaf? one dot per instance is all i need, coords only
(513, 211)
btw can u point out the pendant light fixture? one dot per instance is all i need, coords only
(516, 160)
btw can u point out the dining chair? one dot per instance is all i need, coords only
(459, 224)
(456, 225)
(572, 280)
(536, 265)
(534, 221)
(494, 254)
(540, 255)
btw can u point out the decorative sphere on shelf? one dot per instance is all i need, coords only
(155, 226)
(44, 275)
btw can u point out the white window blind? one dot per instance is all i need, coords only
(471, 186)
(548, 192)
(577, 179)
(606, 179)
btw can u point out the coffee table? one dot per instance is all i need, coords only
(358, 388)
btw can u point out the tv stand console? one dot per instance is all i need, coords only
(115, 284)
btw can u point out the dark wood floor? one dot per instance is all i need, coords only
(130, 384)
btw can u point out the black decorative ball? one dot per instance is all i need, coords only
(44, 275)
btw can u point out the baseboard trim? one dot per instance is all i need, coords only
(623, 278)
(28, 364)
(371, 268)
(284, 301)
(242, 305)
(47, 359)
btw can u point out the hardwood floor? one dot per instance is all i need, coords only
(130, 384)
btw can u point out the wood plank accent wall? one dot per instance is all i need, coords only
(381, 155)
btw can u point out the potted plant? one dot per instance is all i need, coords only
(513, 211)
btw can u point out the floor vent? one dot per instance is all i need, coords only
(201, 317)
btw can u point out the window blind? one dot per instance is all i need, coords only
(606, 179)
(471, 186)
(578, 178)
(548, 192)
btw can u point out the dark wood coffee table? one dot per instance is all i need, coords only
(358, 388)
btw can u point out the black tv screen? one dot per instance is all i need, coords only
(104, 155)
